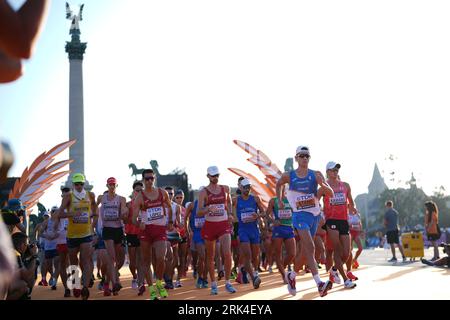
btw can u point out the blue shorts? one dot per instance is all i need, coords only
(50, 254)
(305, 221)
(249, 235)
(197, 237)
(283, 232)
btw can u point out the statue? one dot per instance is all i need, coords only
(289, 165)
(154, 164)
(135, 170)
(75, 18)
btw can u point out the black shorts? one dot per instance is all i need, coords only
(392, 237)
(133, 241)
(115, 234)
(433, 237)
(339, 225)
(50, 254)
(73, 243)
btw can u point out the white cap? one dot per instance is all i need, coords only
(332, 165)
(213, 170)
(302, 150)
(245, 182)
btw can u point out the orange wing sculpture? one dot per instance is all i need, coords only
(40, 176)
(269, 169)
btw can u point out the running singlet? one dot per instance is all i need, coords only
(62, 231)
(336, 207)
(110, 211)
(245, 211)
(80, 226)
(218, 203)
(284, 215)
(354, 221)
(196, 223)
(154, 210)
(302, 193)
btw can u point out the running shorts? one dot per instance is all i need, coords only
(133, 241)
(339, 225)
(283, 232)
(249, 234)
(76, 242)
(214, 230)
(305, 221)
(153, 233)
(115, 234)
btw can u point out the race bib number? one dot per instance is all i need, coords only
(247, 217)
(155, 213)
(217, 210)
(83, 218)
(111, 215)
(339, 199)
(199, 222)
(306, 201)
(285, 214)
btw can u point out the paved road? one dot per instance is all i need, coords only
(378, 279)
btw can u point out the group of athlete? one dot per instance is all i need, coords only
(210, 234)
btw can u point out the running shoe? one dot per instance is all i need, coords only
(393, 259)
(141, 290)
(91, 282)
(54, 287)
(323, 287)
(244, 276)
(85, 293)
(351, 276)
(51, 282)
(334, 276)
(221, 275)
(355, 264)
(256, 282)
(289, 268)
(134, 284)
(106, 290)
(205, 284)
(43, 283)
(349, 284)
(290, 279)
(116, 289)
(195, 274)
(66, 293)
(434, 259)
(229, 287)
(178, 284)
(233, 275)
(319, 266)
(404, 259)
(153, 295)
(162, 291)
(199, 283)
(214, 290)
(76, 293)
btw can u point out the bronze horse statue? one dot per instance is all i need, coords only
(135, 170)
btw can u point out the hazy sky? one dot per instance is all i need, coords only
(177, 81)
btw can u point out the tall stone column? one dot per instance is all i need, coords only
(76, 49)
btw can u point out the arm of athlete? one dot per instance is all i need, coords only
(327, 190)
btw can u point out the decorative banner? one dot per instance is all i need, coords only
(40, 176)
(269, 169)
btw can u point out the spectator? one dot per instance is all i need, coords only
(442, 261)
(432, 227)
(7, 261)
(15, 207)
(25, 276)
(392, 230)
(18, 33)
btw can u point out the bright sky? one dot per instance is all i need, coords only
(177, 81)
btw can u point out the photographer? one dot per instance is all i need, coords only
(442, 261)
(25, 277)
(15, 207)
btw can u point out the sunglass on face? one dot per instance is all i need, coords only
(149, 178)
(79, 184)
(246, 187)
(215, 176)
(178, 197)
(304, 156)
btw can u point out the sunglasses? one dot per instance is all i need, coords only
(307, 156)
(79, 184)
(178, 197)
(246, 187)
(149, 178)
(215, 176)
(170, 193)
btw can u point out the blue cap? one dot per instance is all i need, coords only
(15, 205)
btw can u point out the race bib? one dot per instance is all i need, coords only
(285, 214)
(155, 213)
(247, 217)
(111, 215)
(83, 218)
(217, 210)
(339, 199)
(199, 222)
(306, 201)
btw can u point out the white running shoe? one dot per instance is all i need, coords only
(134, 284)
(349, 284)
(290, 279)
(334, 276)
